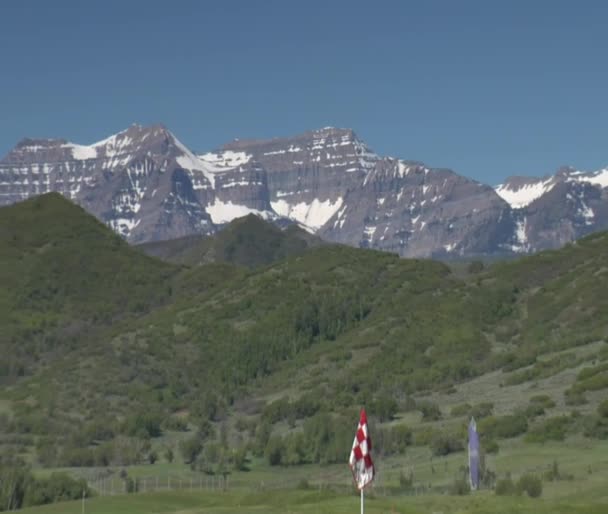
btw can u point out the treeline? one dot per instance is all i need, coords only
(19, 488)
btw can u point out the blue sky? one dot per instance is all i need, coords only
(487, 88)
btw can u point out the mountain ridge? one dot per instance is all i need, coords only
(147, 186)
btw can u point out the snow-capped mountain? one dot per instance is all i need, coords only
(142, 182)
(146, 185)
(553, 210)
(332, 182)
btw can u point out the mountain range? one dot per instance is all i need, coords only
(148, 186)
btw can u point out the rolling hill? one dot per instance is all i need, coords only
(249, 241)
(110, 347)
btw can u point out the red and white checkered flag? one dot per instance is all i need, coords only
(360, 460)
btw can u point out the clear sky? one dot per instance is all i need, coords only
(488, 88)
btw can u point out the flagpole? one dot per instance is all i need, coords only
(361, 501)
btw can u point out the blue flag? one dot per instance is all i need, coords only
(473, 455)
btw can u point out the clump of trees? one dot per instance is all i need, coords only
(19, 488)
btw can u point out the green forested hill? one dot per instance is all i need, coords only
(250, 242)
(63, 275)
(102, 343)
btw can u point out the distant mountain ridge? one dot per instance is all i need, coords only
(147, 186)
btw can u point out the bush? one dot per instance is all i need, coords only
(505, 487)
(58, 487)
(602, 409)
(385, 407)
(543, 399)
(131, 485)
(503, 426)
(444, 444)
(406, 482)
(482, 410)
(274, 451)
(574, 397)
(552, 429)
(596, 427)
(430, 411)
(424, 437)
(475, 267)
(190, 449)
(491, 446)
(463, 409)
(393, 440)
(534, 410)
(143, 425)
(531, 485)
(460, 487)
(554, 473)
(303, 484)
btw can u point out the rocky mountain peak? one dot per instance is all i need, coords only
(147, 185)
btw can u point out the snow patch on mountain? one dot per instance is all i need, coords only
(192, 163)
(597, 178)
(518, 197)
(225, 212)
(313, 215)
(225, 160)
(82, 152)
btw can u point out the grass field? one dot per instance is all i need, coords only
(314, 502)
(268, 489)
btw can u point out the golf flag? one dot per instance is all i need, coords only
(473, 455)
(360, 460)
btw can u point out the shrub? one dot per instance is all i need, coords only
(57, 487)
(534, 410)
(602, 409)
(482, 410)
(543, 399)
(190, 449)
(385, 407)
(430, 411)
(574, 397)
(143, 425)
(475, 267)
(152, 457)
(406, 482)
(491, 446)
(274, 451)
(423, 437)
(131, 485)
(531, 485)
(460, 487)
(303, 484)
(444, 444)
(552, 429)
(596, 427)
(503, 426)
(463, 409)
(505, 487)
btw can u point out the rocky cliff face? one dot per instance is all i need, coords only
(142, 182)
(331, 182)
(148, 186)
(554, 210)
